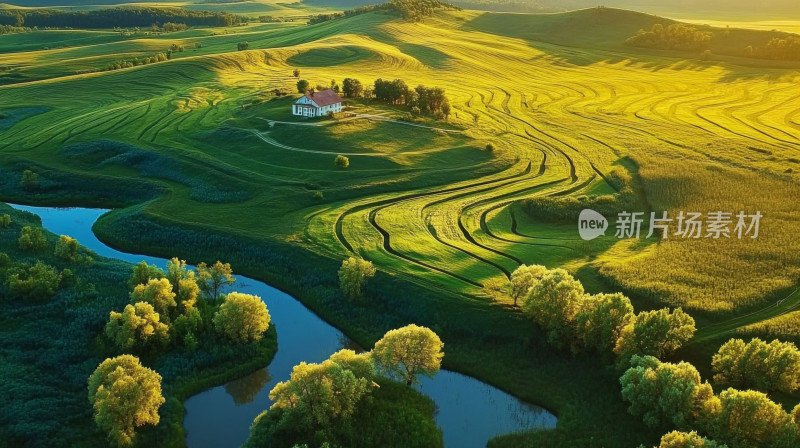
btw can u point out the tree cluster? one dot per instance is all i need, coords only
(558, 304)
(677, 36)
(164, 307)
(414, 10)
(135, 62)
(320, 400)
(784, 49)
(768, 367)
(430, 100)
(128, 17)
(673, 395)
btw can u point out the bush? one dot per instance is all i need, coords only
(342, 161)
(37, 283)
(31, 239)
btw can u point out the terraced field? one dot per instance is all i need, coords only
(202, 141)
(440, 212)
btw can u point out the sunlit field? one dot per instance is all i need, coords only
(543, 106)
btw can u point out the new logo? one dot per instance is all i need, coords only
(591, 224)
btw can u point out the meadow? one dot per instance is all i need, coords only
(201, 142)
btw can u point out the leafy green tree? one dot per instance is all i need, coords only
(654, 333)
(36, 283)
(184, 285)
(125, 396)
(30, 180)
(601, 320)
(523, 278)
(5, 220)
(138, 326)
(143, 273)
(758, 365)
(241, 46)
(322, 393)
(409, 351)
(353, 274)
(187, 325)
(242, 317)
(677, 439)
(664, 394)
(352, 88)
(158, 293)
(213, 279)
(749, 419)
(66, 248)
(341, 161)
(302, 86)
(553, 303)
(31, 239)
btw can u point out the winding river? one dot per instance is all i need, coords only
(469, 412)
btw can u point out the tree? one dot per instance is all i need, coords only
(241, 46)
(184, 285)
(523, 278)
(342, 161)
(352, 88)
(296, 73)
(766, 367)
(242, 317)
(321, 393)
(664, 394)
(553, 303)
(749, 419)
(125, 395)
(213, 279)
(37, 283)
(186, 326)
(302, 86)
(408, 352)
(5, 220)
(677, 439)
(158, 293)
(143, 273)
(655, 333)
(138, 326)
(601, 320)
(66, 248)
(30, 180)
(31, 239)
(353, 274)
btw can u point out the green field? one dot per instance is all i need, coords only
(200, 141)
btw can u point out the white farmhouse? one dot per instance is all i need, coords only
(317, 104)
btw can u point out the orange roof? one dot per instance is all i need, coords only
(324, 98)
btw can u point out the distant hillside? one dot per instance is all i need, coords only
(610, 28)
(744, 9)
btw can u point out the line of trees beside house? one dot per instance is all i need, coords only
(420, 100)
(127, 17)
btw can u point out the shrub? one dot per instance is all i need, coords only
(342, 161)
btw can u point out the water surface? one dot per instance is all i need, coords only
(469, 412)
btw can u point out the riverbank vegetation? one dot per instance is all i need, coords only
(65, 309)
